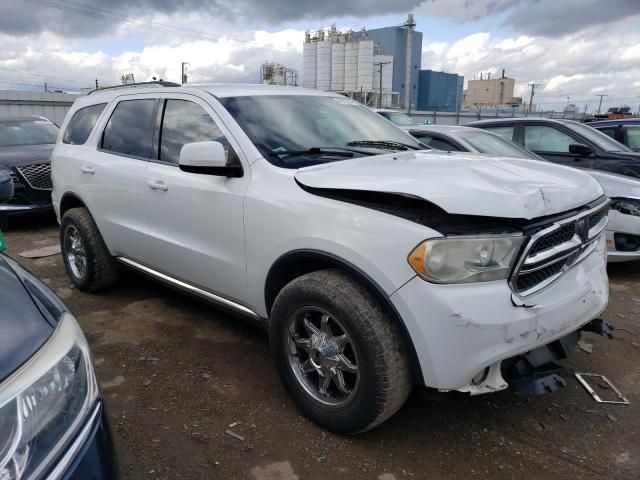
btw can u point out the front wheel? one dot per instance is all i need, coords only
(338, 354)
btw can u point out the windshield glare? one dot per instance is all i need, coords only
(296, 123)
(602, 140)
(485, 142)
(15, 133)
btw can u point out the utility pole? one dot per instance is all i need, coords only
(97, 84)
(381, 64)
(533, 89)
(45, 86)
(183, 77)
(566, 109)
(600, 104)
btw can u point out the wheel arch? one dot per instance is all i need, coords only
(70, 200)
(299, 262)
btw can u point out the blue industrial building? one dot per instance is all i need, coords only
(393, 41)
(439, 91)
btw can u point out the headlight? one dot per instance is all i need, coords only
(465, 259)
(43, 404)
(628, 206)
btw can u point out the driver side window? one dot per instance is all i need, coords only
(541, 138)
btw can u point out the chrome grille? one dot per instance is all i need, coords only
(37, 176)
(556, 248)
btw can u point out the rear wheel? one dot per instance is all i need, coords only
(88, 262)
(337, 352)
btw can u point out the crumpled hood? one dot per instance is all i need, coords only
(461, 183)
(25, 155)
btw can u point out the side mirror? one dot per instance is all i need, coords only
(580, 149)
(6, 187)
(207, 158)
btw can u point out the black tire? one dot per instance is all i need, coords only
(384, 377)
(101, 270)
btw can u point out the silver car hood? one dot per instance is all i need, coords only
(461, 183)
(615, 185)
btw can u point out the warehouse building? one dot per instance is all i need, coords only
(439, 91)
(488, 92)
(51, 105)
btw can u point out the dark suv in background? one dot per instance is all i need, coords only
(26, 144)
(624, 130)
(567, 142)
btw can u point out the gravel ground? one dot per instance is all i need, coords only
(177, 374)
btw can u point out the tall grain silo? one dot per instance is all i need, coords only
(350, 66)
(338, 65)
(365, 66)
(309, 63)
(323, 65)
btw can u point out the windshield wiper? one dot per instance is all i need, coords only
(385, 144)
(338, 152)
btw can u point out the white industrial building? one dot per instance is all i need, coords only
(348, 63)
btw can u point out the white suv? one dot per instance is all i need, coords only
(373, 265)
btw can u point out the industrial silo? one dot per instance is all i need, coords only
(365, 66)
(309, 64)
(350, 66)
(338, 65)
(323, 65)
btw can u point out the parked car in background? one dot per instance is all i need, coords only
(26, 144)
(396, 117)
(623, 229)
(52, 421)
(625, 131)
(336, 231)
(568, 143)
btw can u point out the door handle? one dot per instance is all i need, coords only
(88, 169)
(157, 185)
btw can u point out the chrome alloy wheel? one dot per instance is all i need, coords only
(75, 252)
(322, 356)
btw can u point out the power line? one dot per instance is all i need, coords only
(162, 28)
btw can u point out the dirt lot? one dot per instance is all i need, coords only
(176, 373)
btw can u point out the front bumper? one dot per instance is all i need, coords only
(26, 199)
(90, 455)
(626, 224)
(461, 331)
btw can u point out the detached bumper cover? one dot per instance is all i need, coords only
(460, 331)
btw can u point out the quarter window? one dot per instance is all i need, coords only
(546, 139)
(611, 131)
(130, 128)
(81, 124)
(186, 122)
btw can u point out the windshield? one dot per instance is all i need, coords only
(15, 133)
(485, 142)
(602, 140)
(401, 119)
(295, 131)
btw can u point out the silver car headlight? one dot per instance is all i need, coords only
(43, 404)
(466, 259)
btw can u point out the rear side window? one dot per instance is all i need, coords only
(633, 137)
(611, 131)
(186, 122)
(506, 132)
(81, 124)
(130, 128)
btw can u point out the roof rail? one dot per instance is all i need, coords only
(159, 83)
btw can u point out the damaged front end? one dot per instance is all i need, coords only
(537, 372)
